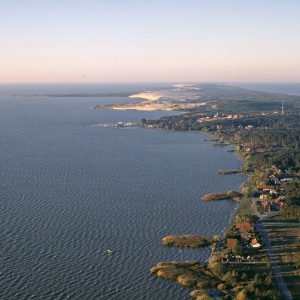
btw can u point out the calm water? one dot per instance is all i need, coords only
(70, 191)
(288, 88)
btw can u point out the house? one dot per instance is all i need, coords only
(287, 179)
(263, 197)
(273, 192)
(245, 235)
(200, 113)
(266, 206)
(274, 180)
(264, 188)
(231, 243)
(201, 120)
(254, 243)
(187, 116)
(260, 150)
(244, 226)
(277, 170)
(279, 201)
(250, 145)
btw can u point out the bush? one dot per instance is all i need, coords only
(242, 295)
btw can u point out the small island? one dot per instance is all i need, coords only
(186, 241)
(231, 195)
(227, 172)
(193, 274)
(186, 273)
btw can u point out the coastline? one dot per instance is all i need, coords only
(259, 170)
(153, 105)
(182, 271)
(186, 276)
(186, 273)
(177, 99)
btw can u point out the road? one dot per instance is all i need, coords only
(275, 267)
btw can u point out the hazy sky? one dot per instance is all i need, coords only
(149, 40)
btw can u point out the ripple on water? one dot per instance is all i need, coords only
(69, 192)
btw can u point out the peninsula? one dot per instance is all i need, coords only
(186, 241)
(233, 195)
(199, 98)
(177, 98)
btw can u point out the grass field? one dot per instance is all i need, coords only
(285, 238)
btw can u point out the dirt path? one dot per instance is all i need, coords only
(275, 266)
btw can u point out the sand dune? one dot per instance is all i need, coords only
(178, 98)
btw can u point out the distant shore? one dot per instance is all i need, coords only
(152, 105)
(179, 98)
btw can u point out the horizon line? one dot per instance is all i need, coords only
(149, 82)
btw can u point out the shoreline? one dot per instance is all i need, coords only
(182, 270)
(157, 105)
(185, 282)
(253, 138)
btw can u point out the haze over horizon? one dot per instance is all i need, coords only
(143, 41)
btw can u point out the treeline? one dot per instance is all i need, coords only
(276, 137)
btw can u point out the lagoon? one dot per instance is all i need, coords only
(70, 191)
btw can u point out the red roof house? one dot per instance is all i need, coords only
(244, 226)
(231, 243)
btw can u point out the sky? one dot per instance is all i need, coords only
(149, 41)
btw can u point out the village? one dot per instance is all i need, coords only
(243, 240)
(203, 117)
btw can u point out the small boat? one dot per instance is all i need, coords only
(109, 251)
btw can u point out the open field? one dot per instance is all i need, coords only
(285, 238)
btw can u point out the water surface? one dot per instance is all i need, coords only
(70, 191)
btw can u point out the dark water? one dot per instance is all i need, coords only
(70, 191)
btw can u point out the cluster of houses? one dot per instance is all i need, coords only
(231, 259)
(243, 237)
(252, 146)
(272, 195)
(271, 198)
(217, 116)
(244, 233)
